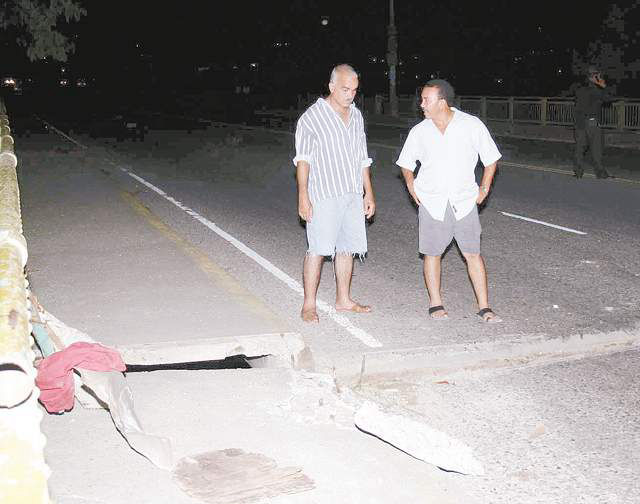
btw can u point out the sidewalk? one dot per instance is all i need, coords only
(296, 421)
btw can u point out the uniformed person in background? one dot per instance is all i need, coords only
(588, 134)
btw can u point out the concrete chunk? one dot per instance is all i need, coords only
(411, 435)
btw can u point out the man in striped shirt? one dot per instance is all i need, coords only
(334, 189)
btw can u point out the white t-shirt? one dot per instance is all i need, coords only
(447, 162)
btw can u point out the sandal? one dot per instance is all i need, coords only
(488, 320)
(438, 308)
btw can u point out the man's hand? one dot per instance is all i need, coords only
(599, 81)
(305, 209)
(369, 205)
(487, 180)
(409, 179)
(413, 194)
(483, 192)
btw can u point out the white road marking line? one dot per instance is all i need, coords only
(569, 230)
(323, 306)
(294, 285)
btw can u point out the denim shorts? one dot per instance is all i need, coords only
(435, 236)
(337, 225)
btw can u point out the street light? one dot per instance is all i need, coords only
(392, 60)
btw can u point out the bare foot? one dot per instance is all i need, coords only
(355, 308)
(309, 315)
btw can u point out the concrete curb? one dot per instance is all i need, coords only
(445, 360)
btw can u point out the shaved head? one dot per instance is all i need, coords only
(343, 87)
(342, 69)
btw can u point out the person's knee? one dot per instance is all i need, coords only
(431, 262)
(472, 257)
(313, 259)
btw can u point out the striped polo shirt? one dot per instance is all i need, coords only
(335, 151)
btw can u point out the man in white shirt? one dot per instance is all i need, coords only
(334, 189)
(447, 145)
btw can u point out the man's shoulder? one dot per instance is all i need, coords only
(466, 117)
(308, 116)
(356, 110)
(314, 106)
(585, 90)
(422, 127)
(356, 116)
(469, 121)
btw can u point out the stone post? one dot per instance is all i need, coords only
(620, 114)
(483, 108)
(511, 111)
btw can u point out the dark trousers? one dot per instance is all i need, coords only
(589, 138)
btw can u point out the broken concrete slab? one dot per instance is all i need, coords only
(411, 434)
(286, 347)
(204, 411)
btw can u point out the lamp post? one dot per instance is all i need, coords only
(392, 60)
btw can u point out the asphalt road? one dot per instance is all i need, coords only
(543, 281)
(564, 432)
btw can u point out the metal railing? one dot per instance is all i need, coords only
(23, 471)
(623, 114)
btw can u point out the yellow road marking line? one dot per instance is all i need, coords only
(212, 270)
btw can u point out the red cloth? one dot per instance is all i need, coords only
(55, 378)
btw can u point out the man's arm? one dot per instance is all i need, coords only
(305, 209)
(409, 179)
(487, 180)
(369, 199)
(606, 94)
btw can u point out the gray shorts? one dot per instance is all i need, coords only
(435, 236)
(337, 226)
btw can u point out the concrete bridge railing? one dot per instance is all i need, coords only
(623, 114)
(23, 471)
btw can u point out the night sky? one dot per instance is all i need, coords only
(496, 47)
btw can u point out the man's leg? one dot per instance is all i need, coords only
(321, 236)
(478, 275)
(581, 144)
(343, 264)
(311, 279)
(433, 238)
(595, 143)
(432, 268)
(352, 240)
(467, 234)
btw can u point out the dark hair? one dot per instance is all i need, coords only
(445, 90)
